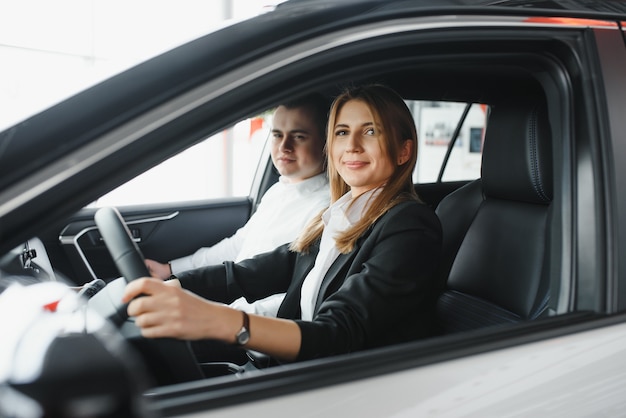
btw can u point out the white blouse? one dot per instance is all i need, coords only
(340, 216)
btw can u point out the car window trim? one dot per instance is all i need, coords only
(455, 135)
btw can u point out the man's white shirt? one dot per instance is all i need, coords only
(281, 216)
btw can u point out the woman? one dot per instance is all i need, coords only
(361, 275)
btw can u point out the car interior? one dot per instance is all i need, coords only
(498, 228)
(502, 232)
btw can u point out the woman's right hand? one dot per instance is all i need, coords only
(164, 309)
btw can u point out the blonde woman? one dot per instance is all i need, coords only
(361, 275)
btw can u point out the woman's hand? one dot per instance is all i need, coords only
(164, 309)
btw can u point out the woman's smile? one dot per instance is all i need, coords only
(355, 164)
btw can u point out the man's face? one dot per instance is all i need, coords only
(297, 145)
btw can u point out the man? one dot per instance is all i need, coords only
(297, 139)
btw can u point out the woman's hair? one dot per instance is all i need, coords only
(396, 121)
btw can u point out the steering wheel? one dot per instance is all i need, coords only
(125, 253)
(170, 360)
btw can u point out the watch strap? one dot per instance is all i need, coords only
(243, 336)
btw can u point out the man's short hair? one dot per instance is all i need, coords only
(319, 106)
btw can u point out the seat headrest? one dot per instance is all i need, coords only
(517, 155)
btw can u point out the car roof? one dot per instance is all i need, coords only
(591, 6)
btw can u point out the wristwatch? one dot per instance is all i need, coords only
(243, 336)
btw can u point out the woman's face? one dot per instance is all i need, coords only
(356, 149)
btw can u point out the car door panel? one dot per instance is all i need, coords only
(162, 232)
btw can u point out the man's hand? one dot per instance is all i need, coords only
(159, 270)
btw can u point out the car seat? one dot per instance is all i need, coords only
(496, 229)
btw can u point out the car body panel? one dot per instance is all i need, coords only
(527, 380)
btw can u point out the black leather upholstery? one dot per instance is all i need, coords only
(496, 229)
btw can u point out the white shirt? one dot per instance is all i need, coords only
(337, 218)
(282, 214)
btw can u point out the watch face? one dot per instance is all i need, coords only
(243, 336)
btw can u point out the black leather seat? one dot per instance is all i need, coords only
(496, 229)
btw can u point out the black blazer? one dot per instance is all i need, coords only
(383, 292)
